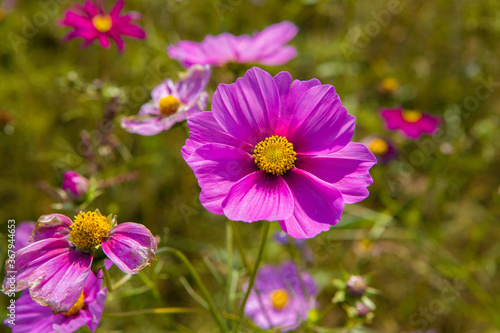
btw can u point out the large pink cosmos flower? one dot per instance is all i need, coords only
(90, 22)
(171, 103)
(57, 261)
(273, 149)
(412, 123)
(281, 297)
(266, 47)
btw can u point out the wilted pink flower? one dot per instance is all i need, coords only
(266, 47)
(90, 22)
(412, 123)
(171, 103)
(383, 149)
(75, 184)
(281, 297)
(33, 317)
(277, 150)
(57, 261)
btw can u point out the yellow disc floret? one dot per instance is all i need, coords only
(102, 23)
(275, 155)
(378, 146)
(279, 298)
(89, 229)
(169, 105)
(76, 307)
(412, 116)
(389, 84)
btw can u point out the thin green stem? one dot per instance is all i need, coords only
(155, 311)
(229, 278)
(215, 313)
(107, 279)
(254, 273)
(241, 250)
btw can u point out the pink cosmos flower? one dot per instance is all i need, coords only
(90, 22)
(57, 261)
(266, 47)
(281, 301)
(383, 149)
(75, 184)
(273, 149)
(33, 317)
(171, 103)
(412, 123)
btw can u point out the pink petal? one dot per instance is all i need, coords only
(51, 226)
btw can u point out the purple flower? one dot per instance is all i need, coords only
(57, 261)
(75, 184)
(383, 149)
(33, 317)
(90, 22)
(171, 103)
(411, 123)
(273, 149)
(266, 47)
(23, 233)
(278, 298)
(282, 237)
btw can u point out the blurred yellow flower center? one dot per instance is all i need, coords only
(378, 146)
(275, 155)
(412, 116)
(76, 307)
(89, 229)
(390, 84)
(279, 298)
(102, 23)
(169, 105)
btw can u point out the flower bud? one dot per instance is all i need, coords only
(363, 310)
(356, 285)
(75, 184)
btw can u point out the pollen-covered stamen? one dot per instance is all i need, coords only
(412, 116)
(102, 23)
(279, 298)
(76, 307)
(378, 146)
(275, 155)
(89, 229)
(169, 105)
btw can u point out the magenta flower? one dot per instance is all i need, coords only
(23, 233)
(278, 299)
(33, 317)
(90, 22)
(266, 47)
(57, 261)
(75, 184)
(171, 103)
(411, 123)
(383, 149)
(273, 149)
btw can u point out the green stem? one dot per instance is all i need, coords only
(107, 279)
(254, 273)
(155, 311)
(241, 250)
(229, 250)
(217, 316)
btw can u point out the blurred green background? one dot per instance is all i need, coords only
(428, 233)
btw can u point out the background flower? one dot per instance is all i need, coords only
(266, 47)
(281, 297)
(75, 184)
(410, 122)
(90, 22)
(383, 149)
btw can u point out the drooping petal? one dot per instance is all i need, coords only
(258, 196)
(54, 271)
(318, 205)
(218, 167)
(51, 226)
(143, 125)
(130, 246)
(347, 169)
(319, 122)
(248, 109)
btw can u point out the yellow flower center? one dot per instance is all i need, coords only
(279, 298)
(89, 229)
(378, 146)
(102, 23)
(169, 105)
(76, 307)
(412, 116)
(275, 155)
(390, 84)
